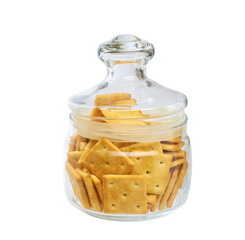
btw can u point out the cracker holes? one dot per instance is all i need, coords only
(136, 184)
(107, 163)
(92, 163)
(157, 186)
(161, 162)
(138, 206)
(111, 183)
(137, 158)
(122, 164)
(113, 205)
(125, 194)
(147, 172)
(104, 147)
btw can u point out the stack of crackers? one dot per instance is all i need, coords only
(124, 177)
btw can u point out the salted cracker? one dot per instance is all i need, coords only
(73, 142)
(92, 194)
(106, 158)
(122, 113)
(124, 194)
(159, 196)
(110, 98)
(152, 162)
(73, 158)
(96, 112)
(169, 188)
(83, 146)
(125, 103)
(99, 187)
(88, 148)
(123, 144)
(177, 162)
(177, 185)
(172, 146)
(151, 199)
(173, 140)
(177, 155)
(79, 140)
(78, 186)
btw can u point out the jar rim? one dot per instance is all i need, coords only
(167, 129)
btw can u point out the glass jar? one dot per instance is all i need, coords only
(127, 153)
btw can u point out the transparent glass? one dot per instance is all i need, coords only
(127, 153)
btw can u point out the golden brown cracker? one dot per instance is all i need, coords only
(125, 103)
(169, 188)
(110, 98)
(177, 185)
(153, 123)
(106, 158)
(143, 146)
(92, 194)
(149, 206)
(172, 146)
(79, 140)
(124, 194)
(73, 142)
(177, 155)
(173, 140)
(99, 187)
(85, 170)
(83, 146)
(123, 144)
(151, 161)
(177, 162)
(96, 112)
(88, 148)
(73, 158)
(155, 166)
(122, 113)
(151, 199)
(78, 186)
(159, 196)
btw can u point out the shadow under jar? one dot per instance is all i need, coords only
(127, 153)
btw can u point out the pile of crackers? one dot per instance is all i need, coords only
(124, 177)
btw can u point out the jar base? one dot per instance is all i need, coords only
(128, 217)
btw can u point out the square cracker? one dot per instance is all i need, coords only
(96, 112)
(122, 113)
(73, 158)
(92, 194)
(123, 144)
(78, 186)
(106, 158)
(143, 146)
(73, 142)
(107, 99)
(151, 199)
(98, 185)
(124, 194)
(88, 148)
(152, 162)
(79, 140)
(125, 103)
(172, 146)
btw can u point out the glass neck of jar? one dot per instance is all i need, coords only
(125, 70)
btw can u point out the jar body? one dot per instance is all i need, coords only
(127, 179)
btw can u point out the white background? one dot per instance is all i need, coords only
(48, 53)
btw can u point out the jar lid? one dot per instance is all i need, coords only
(125, 57)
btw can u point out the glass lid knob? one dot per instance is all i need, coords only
(125, 47)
